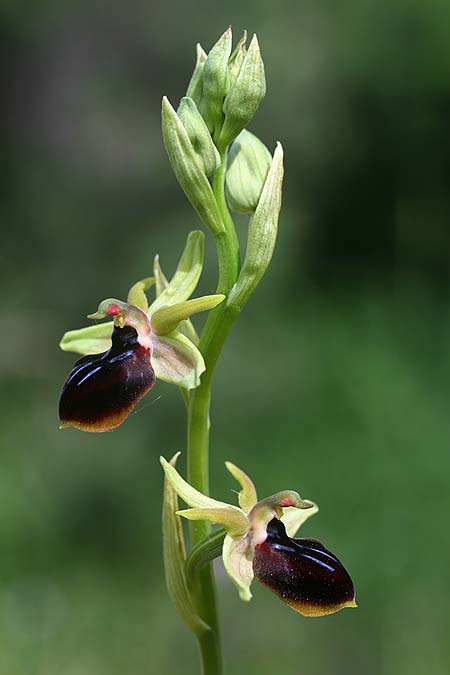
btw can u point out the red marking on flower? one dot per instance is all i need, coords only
(286, 502)
(113, 310)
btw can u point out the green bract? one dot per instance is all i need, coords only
(262, 234)
(174, 551)
(175, 357)
(247, 168)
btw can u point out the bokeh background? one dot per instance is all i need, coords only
(335, 381)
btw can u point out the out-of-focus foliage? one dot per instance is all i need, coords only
(348, 378)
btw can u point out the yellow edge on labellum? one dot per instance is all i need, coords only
(108, 423)
(311, 610)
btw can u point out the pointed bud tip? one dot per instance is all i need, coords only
(201, 54)
(279, 152)
(254, 44)
(166, 106)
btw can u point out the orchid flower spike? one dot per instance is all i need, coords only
(123, 357)
(260, 543)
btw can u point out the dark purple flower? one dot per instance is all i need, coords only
(102, 389)
(302, 572)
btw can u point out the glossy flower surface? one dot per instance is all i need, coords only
(102, 389)
(302, 572)
(259, 543)
(123, 357)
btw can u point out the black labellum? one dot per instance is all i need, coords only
(303, 573)
(102, 389)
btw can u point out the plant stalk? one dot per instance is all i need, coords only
(212, 340)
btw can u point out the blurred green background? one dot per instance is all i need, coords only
(335, 381)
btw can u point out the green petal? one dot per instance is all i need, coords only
(136, 294)
(186, 277)
(176, 360)
(237, 560)
(167, 318)
(247, 496)
(294, 518)
(88, 340)
(231, 518)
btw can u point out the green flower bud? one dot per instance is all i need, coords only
(262, 234)
(188, 169)
(248, 165)
(245, 95)
(195, 88)
(237, 58)
(216, 82)
(199, 135)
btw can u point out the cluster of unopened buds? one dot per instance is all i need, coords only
(220, 166)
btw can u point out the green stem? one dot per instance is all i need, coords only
(212, 340)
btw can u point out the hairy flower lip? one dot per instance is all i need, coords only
(102, 389)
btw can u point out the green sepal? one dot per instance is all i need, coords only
(195, 88)
(186, 276)
(174, 554)
(189, 494)
(216, 82)
(244, 97)
(136, 294)
(166, 319)
(199, 135)
(237, 58)
(88, 340)
(176, 360)
(247, 496)
(262, 234)
(230, 517)
(161, 282)
(247, 168)
(188, 169)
